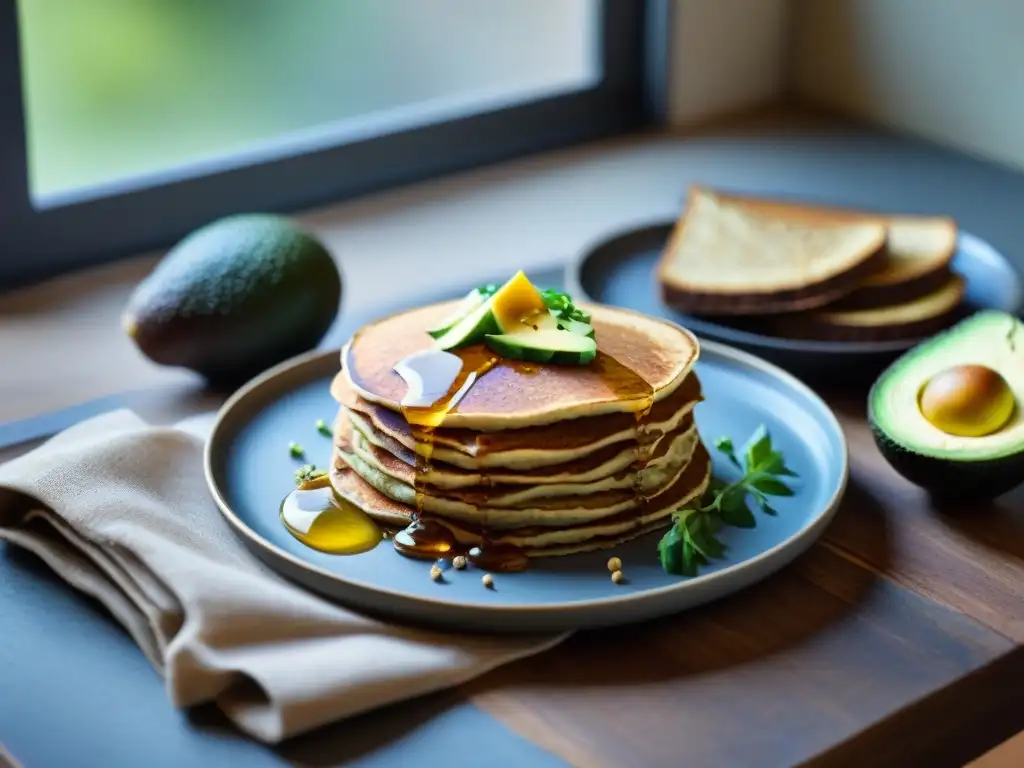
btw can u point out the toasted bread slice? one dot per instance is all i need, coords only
(918, 248)
(725, 259)
(913, 319)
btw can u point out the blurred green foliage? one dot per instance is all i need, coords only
(120, 87)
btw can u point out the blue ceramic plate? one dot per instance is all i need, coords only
(249, 470)
(620, 271)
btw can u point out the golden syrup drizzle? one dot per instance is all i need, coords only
(427, 538)
(500, 558)
(333, 526)
(424, 537)
(628, 385)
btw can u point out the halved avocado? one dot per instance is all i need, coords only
(470, 302)
(954, 465)
(471, 329)
(544, 346)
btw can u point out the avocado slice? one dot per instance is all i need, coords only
(548, 321)
(469, 330)
(470, 302)
(544, 346)
(952, 465)
(515, 301)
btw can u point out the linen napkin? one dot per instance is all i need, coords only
(121, 511)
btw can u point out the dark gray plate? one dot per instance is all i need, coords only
(249, 472)
(620, 271)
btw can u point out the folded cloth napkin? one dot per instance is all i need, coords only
(121, 511)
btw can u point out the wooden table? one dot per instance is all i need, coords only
(897, 640)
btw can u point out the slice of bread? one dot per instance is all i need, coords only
(918, 248)
(906, 320)
(726, 259)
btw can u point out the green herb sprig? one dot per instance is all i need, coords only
(691, 542)
(308, 472)
(558, 302)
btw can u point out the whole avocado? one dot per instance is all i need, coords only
(236, 297)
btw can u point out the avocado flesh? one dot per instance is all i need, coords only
(548, 322)
(470, 329)
(470, 302)
(983, 466)
(514, 301)
(544, 346)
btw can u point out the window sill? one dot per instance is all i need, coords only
(529, 214)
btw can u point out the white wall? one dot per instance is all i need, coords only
(727, 55)
(949, 70)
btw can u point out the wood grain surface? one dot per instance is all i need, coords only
(894, 641)
(898, 640)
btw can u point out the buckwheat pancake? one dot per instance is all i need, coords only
(638, 358)
(526, 447)
(542, 541)
(548, 446)
(396, 478)
(593, 466)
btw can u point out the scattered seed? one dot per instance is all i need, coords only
(322, 428)
(617, 577)
(488, 580)
(614, 564)
(436, 573)
(296, 450)
(459, 562)
(443, 564)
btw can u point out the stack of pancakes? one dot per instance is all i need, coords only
(550, 459)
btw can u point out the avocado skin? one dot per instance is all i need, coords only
(952, 480)
(236, 297)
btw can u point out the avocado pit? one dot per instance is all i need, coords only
(967, 401)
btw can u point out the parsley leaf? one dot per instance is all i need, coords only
(691, 542)
(561, 305)
(670, 550)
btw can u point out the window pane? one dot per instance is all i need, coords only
(118, 90)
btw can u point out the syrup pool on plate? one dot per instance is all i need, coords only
(316, 516)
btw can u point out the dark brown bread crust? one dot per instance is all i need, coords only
(820, 327)
(763, 303)
(875, 296)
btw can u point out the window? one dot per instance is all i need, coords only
(133, 121)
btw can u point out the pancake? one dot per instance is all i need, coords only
(536, 541)
(593, 466)
(639, 359)
(669, 455)
(554, 513)
(522, 459)
(542, 444)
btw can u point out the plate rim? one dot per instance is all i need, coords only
(977, 246)
(762, 564)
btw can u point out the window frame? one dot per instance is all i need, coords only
(87, 229)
